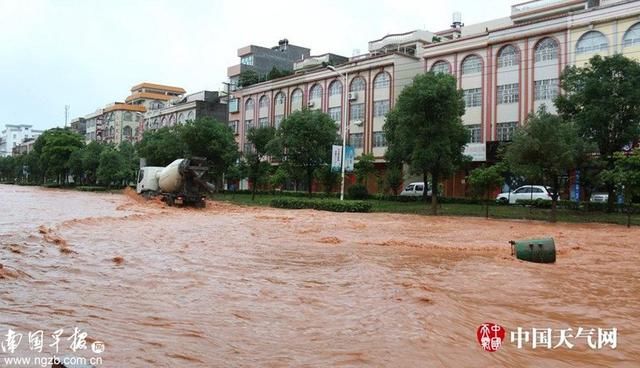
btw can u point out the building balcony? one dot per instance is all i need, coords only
(234, 70)
(400, 39)
(534, 9)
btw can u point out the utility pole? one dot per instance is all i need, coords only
(66, 115)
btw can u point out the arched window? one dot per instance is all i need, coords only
(441, 67)
(126, 131)
(264, 102)
(381, 80)
(296, 97)
(280, 98)
(508, 56)
(472, 64)
(190, 115)
(249, 104)
(592, 41)
(112, 132)
(632, 36)
(128, 116)
(547, 49)
(172, 120)
(315, 92)
(357, 84)
(163, 122)
(181, 118)
(335, 88)
(155, 124)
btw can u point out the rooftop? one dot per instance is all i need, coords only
(158, 86)
(119, 106)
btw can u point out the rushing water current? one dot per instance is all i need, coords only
(232, 286)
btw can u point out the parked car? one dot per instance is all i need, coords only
(599, 197)
(415, 190)
(526, 192)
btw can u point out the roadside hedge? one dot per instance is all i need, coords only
(91, 189)
(321, 204)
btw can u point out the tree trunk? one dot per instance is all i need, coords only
(434, 193)
(629, 214)
(425, 194)
(253, 191)
(310, 182)
(486, 204)
(611, 201)
(554, 200)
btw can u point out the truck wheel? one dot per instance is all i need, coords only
(170, 201)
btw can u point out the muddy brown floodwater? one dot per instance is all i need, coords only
(235, 286)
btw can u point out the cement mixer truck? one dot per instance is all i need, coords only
(179, 183)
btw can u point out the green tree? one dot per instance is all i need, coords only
(248, 77)
(394, 178)
(54, 148)
(261, 140)
(425, 129)
(75, 165)
(278, 178)
(548, 147)
(130, 159)
(304, 141)
(364, 167)
(483, 180)
(327, 177)
(112, 168)
(626, 177)
(603, 99)
(7, 168)
(91, 160)
(277, 73)
(206, 137)
(161, 147)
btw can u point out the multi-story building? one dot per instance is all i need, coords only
(25, 147)
(374, 82)
(509, 67)
(190, 107)
(121, 122)
(263, 59)
(14, 135)
(79, 125)
(153, 96)
(94, 126)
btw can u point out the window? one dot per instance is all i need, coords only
(472, 64)
(381, 81)
(379, 139)
(592, 41)
(280, 98)
(505, 130)
(234, 126)
(380, 108)
(248, 124)
(163, 122)
(248, 148)
(263, 102)
(508, 93)
(263, 122)
(357, 112)
(632, 36)
(315, 92)
(547, 49)
(474, 133)
(233, 106)
(355, 140)
(126, 131)
(441, 67)
(546, 89)
(508, 56)
(248, 106)
(128, 116)
(277, 120)
(472, 97)
(172, 120)
(357, 84)
(296, 97)
(335, 113)
(523, 190)
(181, 117)
(335, 88)
(246, 60)
(190, 115)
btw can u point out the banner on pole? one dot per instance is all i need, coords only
(336, 158)
(349, 158)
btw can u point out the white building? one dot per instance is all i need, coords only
(15, 134)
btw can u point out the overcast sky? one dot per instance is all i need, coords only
(87, 53)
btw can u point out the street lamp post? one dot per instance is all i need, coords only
(345, 102)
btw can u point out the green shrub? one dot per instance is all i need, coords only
(358, 191)
(91, 189)
(321, 204)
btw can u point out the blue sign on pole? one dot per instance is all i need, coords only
(575, 193)
(349, 158)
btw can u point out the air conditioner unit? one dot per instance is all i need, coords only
(353, 96)
(358, 122)
(310, 104)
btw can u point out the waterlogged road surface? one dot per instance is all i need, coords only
(244, 287)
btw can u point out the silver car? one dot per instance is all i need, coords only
(526, 192)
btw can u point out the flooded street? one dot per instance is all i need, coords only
(233, 286)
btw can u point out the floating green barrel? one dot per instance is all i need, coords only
(534, 250)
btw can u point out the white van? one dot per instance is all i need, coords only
(415, 190)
